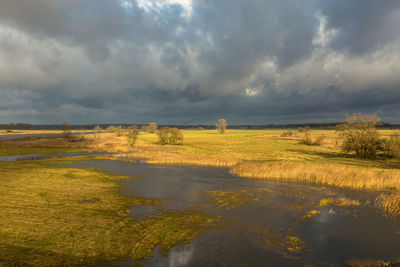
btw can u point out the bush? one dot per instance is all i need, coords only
(170, 136)
(391, 147)
(307, 140)
(287, 133)
(360, 135)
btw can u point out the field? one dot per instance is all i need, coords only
(86, 219)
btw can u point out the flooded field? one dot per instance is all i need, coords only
(263, 223)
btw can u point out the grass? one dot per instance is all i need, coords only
(371, 263)
(340, 202)
(309, 215)
(390, 203)
(46, 220)
(262, 154)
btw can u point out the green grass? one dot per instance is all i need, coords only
(267, 145)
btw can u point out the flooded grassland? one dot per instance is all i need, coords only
(76, 210)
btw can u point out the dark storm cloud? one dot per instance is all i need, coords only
(364, 25)
(182, 61)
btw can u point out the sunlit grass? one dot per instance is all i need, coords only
(390, 203)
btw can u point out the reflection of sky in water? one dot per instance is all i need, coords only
(180, 256)
(332, 237)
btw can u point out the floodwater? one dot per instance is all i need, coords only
(262, 221)
(17, 135)
(45, 156)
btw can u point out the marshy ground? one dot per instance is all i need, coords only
(65, 211)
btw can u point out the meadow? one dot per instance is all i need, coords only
(86, 220)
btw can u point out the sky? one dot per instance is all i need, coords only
(195, 61)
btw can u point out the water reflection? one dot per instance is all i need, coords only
(262, 221)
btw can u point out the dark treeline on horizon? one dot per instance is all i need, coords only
(27, 126)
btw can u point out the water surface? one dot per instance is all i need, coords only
(259, 217)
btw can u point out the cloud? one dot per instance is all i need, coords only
(182, 61)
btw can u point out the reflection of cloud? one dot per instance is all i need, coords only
(181, 256)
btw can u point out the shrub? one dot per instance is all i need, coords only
(360, 135)
(391, 147)
(221, 126)
(307, 140)
(170, 136)
(287, 133)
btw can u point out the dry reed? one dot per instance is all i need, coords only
(327, 174)
(390, 203)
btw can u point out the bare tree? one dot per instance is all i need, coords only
(67, 129)
(132, 135)
(97, 129)
(152, 128)
(221, 126)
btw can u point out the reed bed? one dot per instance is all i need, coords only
(327, 174)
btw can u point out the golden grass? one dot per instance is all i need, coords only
(327, 174)
(46, 220)
(340, 202)
(261, 154)
(390, 203)
(309, 215)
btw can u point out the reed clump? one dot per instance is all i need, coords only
(390, 203)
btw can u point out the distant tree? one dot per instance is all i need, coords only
(118, 130)
(132, 135)
(152, 128)
(170, 136)
(67, 129)
(144, 128)
(221, 126)
(110, 129)
(360, 135)
(97, 129)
